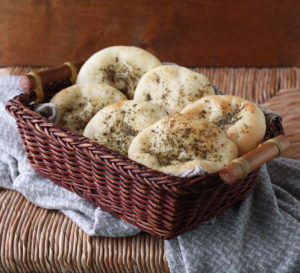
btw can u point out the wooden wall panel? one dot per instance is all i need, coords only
(192, 33)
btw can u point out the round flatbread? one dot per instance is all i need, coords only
(78, 103)
(116, 125)
(172, 86)
(242, 120)
(119, 66)
(180, 142)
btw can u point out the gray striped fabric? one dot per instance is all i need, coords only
(260, 234)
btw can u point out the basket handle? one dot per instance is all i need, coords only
(67, 70)
(242, 166)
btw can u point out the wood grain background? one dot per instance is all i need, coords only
(191, 33)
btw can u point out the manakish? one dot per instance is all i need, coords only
(242, 120)
(119, 66)
(173, 87)
(180, 142)
(116, 125)
(78, 103)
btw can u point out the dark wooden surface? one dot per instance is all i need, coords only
(191, 33)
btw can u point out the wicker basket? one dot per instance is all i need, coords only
(162, 205)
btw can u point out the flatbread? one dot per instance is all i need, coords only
(242, 120)
(78, 103)
(116, 125)
(181, 142)
(119, 66)
(173, 87)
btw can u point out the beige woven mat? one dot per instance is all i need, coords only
(33, 239)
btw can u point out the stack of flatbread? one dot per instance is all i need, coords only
(166, 117)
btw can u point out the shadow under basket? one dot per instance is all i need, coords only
(160, 204)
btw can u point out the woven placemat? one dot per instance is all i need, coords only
(33, 239)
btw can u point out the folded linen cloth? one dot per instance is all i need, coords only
(259, 234)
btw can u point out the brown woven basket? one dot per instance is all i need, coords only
(160, 204)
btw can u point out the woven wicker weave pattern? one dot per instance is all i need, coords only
(38, 240)
(160, 204)
(50, 228)
(255, 84)
(287, 103)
